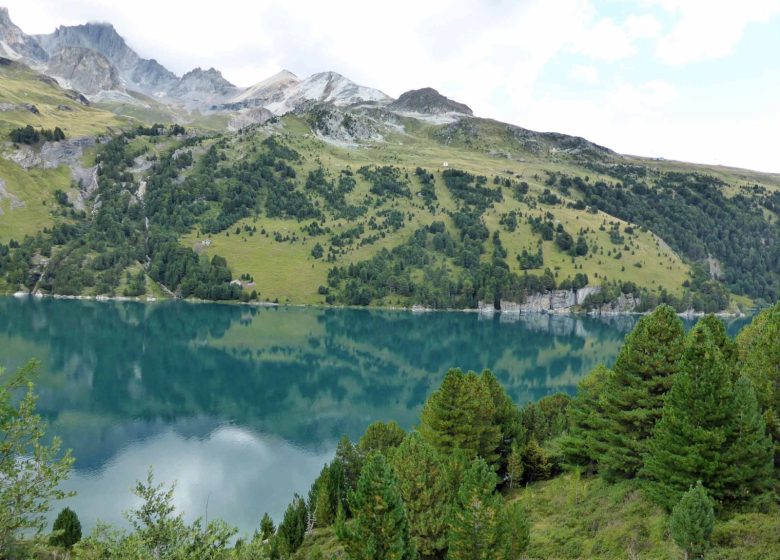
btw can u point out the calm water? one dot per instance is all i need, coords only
(242, 406)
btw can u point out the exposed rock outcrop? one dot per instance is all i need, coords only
(84, 69)
(565, 301)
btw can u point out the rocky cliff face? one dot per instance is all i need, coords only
(83, 69)
(565, 301)
(15, 44)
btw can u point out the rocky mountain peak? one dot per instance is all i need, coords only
(428, 101)
(15, 44)
(212, 76)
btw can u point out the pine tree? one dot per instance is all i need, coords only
(292, 529)
(67, 529)
(422, 483)
(460, 415)
(759, 350)
(514, 468)
(643, 374)
(380, 530)
(351, 461)
(708, 422)
(536, 463)
(749, 460)
(267, 528)
(381, 436)
(692, 521)
(506, 417)
(321, 505)
(514, 532)
(476, 524)
(585, 442)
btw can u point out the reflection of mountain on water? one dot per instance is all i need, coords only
(117, 372)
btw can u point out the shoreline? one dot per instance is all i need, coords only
(414, 309)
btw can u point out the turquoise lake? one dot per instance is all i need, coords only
(241, 406)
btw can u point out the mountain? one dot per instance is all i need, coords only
(427, 102)
(146, 75)
(15, 44)
(200, 88)
(284, 92)
(322, 190)
(85, 70)
(270, 90)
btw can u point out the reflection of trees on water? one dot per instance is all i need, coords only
(115, 371)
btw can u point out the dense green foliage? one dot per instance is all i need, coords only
(711, 431)
(461, 416)
(28, 135)
(643, 374)
(424, 486)
(692, 521)
(66, 530)
(380, 529)
(30, 470)
(694, 216)
(759, 349)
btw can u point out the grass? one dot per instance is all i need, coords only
(286, 272)
(34, 188)
(20, 85)
(573, 517)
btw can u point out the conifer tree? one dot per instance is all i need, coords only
(643, 374)
(692, 521)
(708, 422)
(267, 528)
(514, 532)
(514, 468)
(506, 417)
(380, 530)
(381, 436)
(536, 463)
(585, 442)
(759, 350)
(749, 461)
(423, 486)
(476, 524)
(67, 529)
(292, 529)
(460, 415)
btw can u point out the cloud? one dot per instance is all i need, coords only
(643, 99)
(586, 73)
(642, 26)
(709, 30)
(604, 40)
(505, 59)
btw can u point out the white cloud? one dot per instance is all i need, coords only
(643, 99)
(708, 30)
(605, 40)
(643, 26)
(586, 73)
(495, 56)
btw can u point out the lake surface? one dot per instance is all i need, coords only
(241, 406)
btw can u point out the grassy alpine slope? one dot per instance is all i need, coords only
(315, 223)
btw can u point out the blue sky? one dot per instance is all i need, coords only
(693, 80)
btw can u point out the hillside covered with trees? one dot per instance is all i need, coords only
(275, 214)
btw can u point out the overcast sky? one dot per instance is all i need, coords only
(695, 80)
